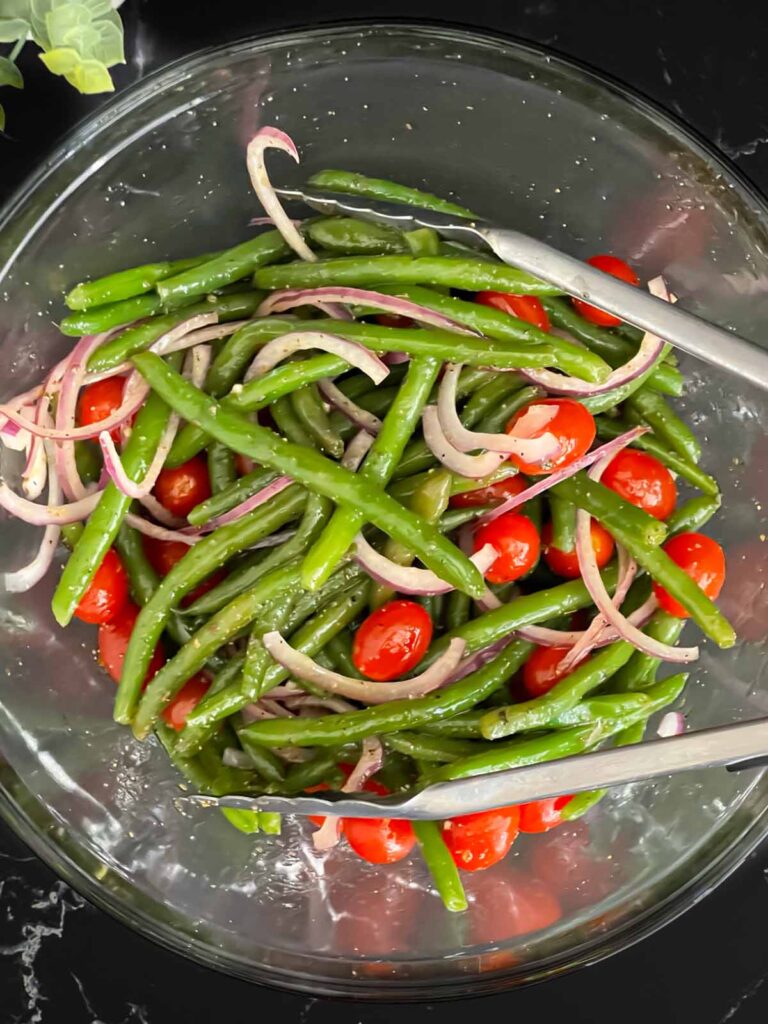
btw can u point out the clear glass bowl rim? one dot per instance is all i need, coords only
(79, 868)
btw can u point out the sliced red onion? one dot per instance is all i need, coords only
(672, 724)
(521, 443)
(649, 351)
(356, 450)
(186, 536)
(366, 692)
(370, 761)
(272, 138)
(279, 348)
(354, 413)
(260, 222)
(160, 513)
(249, 504)
(337, 705)
(408, 579)
(70, 376)
(488, 602)
(473, 466)
(35, 472)
(545, 637)
(590, 573)
(278, 302)
(294, 755)
(607, 450)
(479, 658)
(46, 515)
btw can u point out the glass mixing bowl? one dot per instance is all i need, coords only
(534, 142)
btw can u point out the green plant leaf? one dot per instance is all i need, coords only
(98, 8)
(61, 22)
(61, 61)
(16, 9)
(109, 49)
(90, 76)
(38, 11)
(12, 29)
(2, 118)
(10, 74)
(84, 39)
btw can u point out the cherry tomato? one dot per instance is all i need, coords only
(477, 841)
(573, 426)
(516, 540)
(244, 464)
(164, 554)
(185, 701)
(113, 641)
(393, 320)
(511, 903)
(99, 400)
(493, 494)
(524, 307)
(180, 489)
(616, 268)
(702, 559)
(107, 593)
(392, 640)
(379, 840)
(566, 563)
(642, 480)
(542, 669)
(542, 815)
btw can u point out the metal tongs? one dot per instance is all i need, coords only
(684, 330)
(736, 747)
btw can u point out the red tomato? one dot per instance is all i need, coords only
(113, 641)
(164, 554)
(379, 840)
(244, 464)
(511, 903)
(566, 563)
(542, 815)
(180, 489)
(185, 701)
(478, 841)
(107, 593)
(642, 480)
(702, 559)
(516, 540)
(524, 307)
(616, 268)
(573, 426)
(393, 320)
(98, 401)
(392, 640)
(493, 494)
(542, 669)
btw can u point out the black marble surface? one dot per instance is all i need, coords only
(64, 962)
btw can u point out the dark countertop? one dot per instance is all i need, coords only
(61, 960)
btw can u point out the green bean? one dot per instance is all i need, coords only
(142, 577)
(268, 765)
(71, 533)
(88, 461)
(462, 727)
(608, 400)
(441, 865)
(641, 668)
(245, 821)
(309, 639)
(322, 768)
(589, 495)
(612, 347)
(221, 467)
(498, 418)
(257, 660)
(607, 429)
(693, 514)
(219, 629)
(539, 712)
(379, 188)
(227, 499)
(430, 748)
(578, 805)
(349, 237)
(552, 746)
(271, 823)
(340, 649)
(134, 339)
(114, 314)
(466, 273)
(423, 242)
(649, 407)
(289, 424)
(315, 471)
(104, 522)
(459, 609)
(563, 515)
(238, 350)
(225, 268)
(200, 561)
(617, 515)
(309, 408)
(395, 716)
(494, 323)
(126, 284)
(228, 674)
(456, 517)
(258, 394)
(316, 513)
(404, 489)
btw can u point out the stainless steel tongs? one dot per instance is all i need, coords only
(738, 747)
(684, 330)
